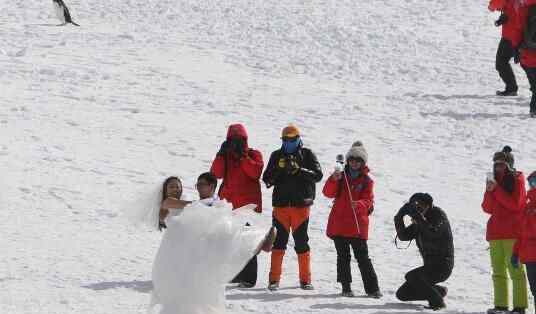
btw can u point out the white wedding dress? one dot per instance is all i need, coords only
(202, 249)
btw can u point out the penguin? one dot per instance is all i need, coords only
(62, 12)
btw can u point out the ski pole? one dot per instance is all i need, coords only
(351, 200)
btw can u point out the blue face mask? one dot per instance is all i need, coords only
(354, 173)
(290, 147)
(532, 182)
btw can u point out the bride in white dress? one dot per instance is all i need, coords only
(204, 246)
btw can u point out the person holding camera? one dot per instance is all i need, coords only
(240, 167)
(507, 49)
(430, 228)
(525, 246)
(293, 171)
(353, 192)
(504, 200)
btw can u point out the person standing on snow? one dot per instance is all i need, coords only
(430, 228)
(507, 46)
(240, 167)
(504, 199)
(525, 31)
(348, 222)
(293, 171)
(525, 246)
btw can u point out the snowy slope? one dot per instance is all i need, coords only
(95, 117)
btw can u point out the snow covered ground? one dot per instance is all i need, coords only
(94, 117)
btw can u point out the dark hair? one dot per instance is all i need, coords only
(209, 177)
(164, 187)
(423, 198)
(509, 180)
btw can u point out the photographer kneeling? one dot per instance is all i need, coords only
(431, 230)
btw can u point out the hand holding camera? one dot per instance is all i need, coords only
(236, 145)
(339, 168)
(490, 182)
(410, 210)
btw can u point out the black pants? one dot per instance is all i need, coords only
(421, 282)
(531, 276)
(531, 75)
(344, 272)
(249, 273)
(505, 52)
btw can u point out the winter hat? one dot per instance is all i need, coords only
(423, 198)
(357, 151)
(290, 131)
(237, 130)
(505, 156)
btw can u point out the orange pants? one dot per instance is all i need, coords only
(285, 220)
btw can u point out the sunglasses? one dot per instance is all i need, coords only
(532, 182)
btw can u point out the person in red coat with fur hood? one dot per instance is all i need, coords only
(525, 246)
(240, 167)
(348, 222)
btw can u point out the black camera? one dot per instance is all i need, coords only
(236, 145)
(409, 209)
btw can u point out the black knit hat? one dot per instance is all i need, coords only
(423, 198)
(505, 156)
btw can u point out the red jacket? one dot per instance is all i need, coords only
(510, 28)
(525, 246)
(528, 57)
(240, 174)
(505, 209)
(341, 221)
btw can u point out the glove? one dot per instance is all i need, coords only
(517, 57)
(514, 260)
(292, 166)
(161, 225)
(223, 148)
(503, 18)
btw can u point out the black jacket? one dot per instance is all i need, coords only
(432, 234)
(293, 190)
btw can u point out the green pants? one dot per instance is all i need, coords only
(501, 252)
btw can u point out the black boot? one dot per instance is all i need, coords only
(518, 310)
(507, 92)
(347, 290)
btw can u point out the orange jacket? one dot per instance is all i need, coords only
(505, 209)
(525, 246)
(341, 221)
(240, 174)
(528, 56)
